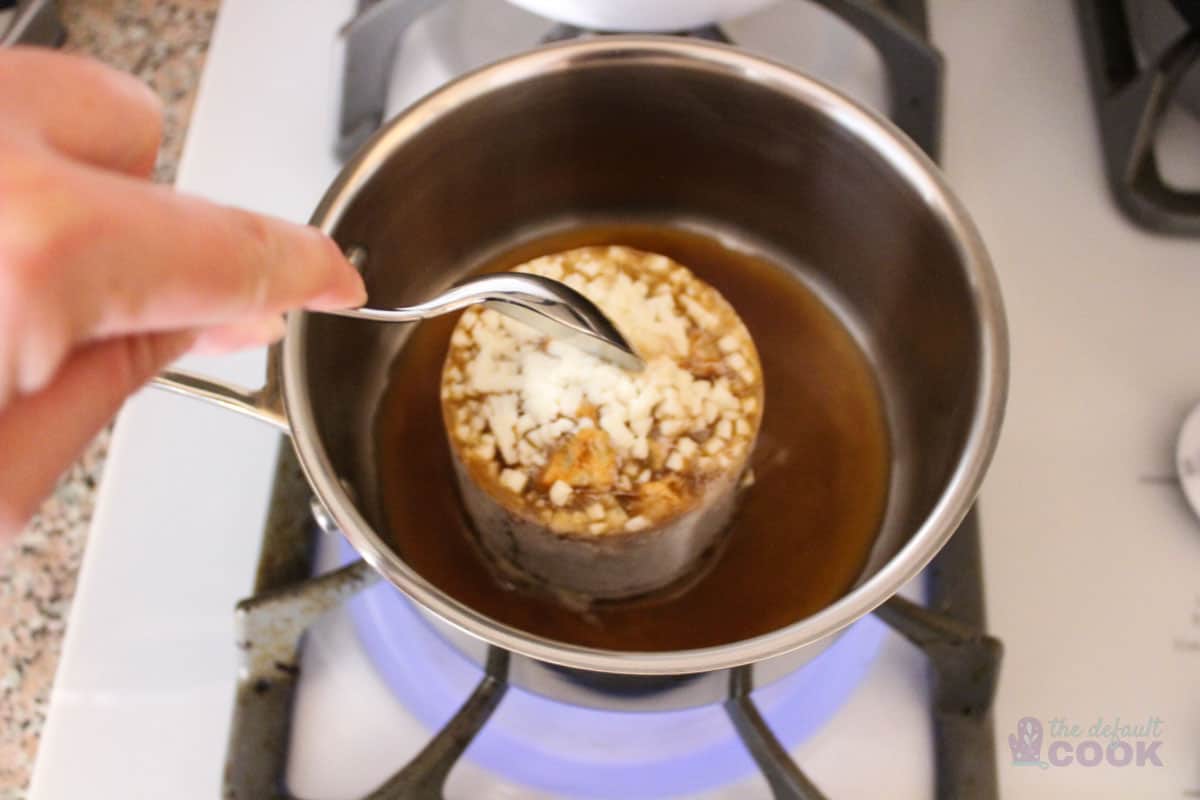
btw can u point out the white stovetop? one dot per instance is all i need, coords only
(1091, 563)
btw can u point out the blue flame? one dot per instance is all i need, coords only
(585, 752)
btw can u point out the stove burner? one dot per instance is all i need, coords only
(1131, 100)
(271, 624)
(898, 29)
(647, 755)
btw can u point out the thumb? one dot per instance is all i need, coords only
(42, 433)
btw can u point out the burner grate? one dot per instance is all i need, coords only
(898, 29)
(1131, 102)
(965, 667)
(31, 22)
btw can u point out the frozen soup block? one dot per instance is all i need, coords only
(586, 479)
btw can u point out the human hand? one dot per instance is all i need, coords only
(105, 278)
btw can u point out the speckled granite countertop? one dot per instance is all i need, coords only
(164, 44)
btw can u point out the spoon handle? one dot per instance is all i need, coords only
(456, 298)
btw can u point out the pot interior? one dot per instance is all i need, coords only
(659, 141)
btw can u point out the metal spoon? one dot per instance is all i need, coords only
(551, 307)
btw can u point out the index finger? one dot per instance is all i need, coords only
(92, 254)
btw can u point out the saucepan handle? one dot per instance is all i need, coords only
(265, 404)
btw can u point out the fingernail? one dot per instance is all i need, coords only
(209, 345)
(136, 88)
(346, 288)
(270, 330)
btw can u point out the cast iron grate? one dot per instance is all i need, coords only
(31, 23)
(965, 665)
(898, 29)
(1131, 100)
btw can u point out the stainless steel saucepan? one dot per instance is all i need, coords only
(690, 133)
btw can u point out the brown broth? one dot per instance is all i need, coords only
(804, 529)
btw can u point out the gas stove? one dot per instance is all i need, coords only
(1087, 551)
(600, 745)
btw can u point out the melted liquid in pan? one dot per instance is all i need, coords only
(804, 529)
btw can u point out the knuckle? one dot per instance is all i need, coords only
(15, 513)
(140, 356)
(22, 261)
(32, 231)
(145, 132)
(144, 151)
(34, 241)
(11, 519)
(136, 361)
(259, 248)
(256, 230)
